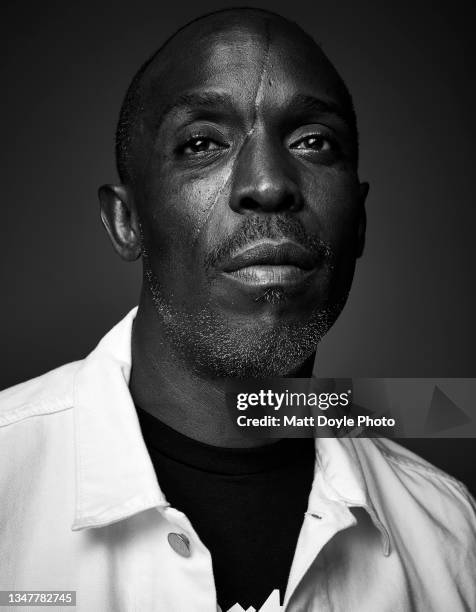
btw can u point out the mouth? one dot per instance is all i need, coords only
(271, 264)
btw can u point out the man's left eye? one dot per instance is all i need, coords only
(314, 142)
(199, 144)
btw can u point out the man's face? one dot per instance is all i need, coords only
(248, 197)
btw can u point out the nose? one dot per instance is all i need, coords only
(264, 179)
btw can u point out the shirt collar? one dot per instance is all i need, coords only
(115, 477)
(341, 477)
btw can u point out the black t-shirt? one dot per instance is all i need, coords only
(247, 505)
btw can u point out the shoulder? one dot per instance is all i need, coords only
(46, 394)
(407, 488)
(36, 450)
(417, 470)
(430, 519)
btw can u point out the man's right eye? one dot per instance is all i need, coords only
(199, 144)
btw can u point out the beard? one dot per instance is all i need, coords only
(210, 345)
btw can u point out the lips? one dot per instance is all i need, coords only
(272, 254)
(269, 264)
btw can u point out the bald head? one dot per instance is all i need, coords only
(205, 45)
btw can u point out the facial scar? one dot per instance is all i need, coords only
(258, 96)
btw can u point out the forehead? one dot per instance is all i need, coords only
(240, 59)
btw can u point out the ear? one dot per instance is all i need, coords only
(363, 192)
(119, 217)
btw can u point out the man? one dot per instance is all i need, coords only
(123, 476)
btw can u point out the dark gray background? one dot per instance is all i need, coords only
(410, 67)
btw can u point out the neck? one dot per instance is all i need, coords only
(162, 385)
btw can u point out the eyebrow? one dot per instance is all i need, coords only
(310, 104)
(207, 100)
(214, 100)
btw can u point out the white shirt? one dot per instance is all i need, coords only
(81, 509)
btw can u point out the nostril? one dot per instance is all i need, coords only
(290, 202)
(267, 196)
(249, 203)
(270, 201)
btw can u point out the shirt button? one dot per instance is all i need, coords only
(180, 543)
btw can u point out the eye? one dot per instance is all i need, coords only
(200, 144)
(313, 142)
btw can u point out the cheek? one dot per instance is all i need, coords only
(332, 195)
(336, 204)
(177, 207)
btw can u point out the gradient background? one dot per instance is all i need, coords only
(410, 68)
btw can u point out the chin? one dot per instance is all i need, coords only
(274, 338)
(263, 347)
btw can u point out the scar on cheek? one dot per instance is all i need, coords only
(257, 98)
